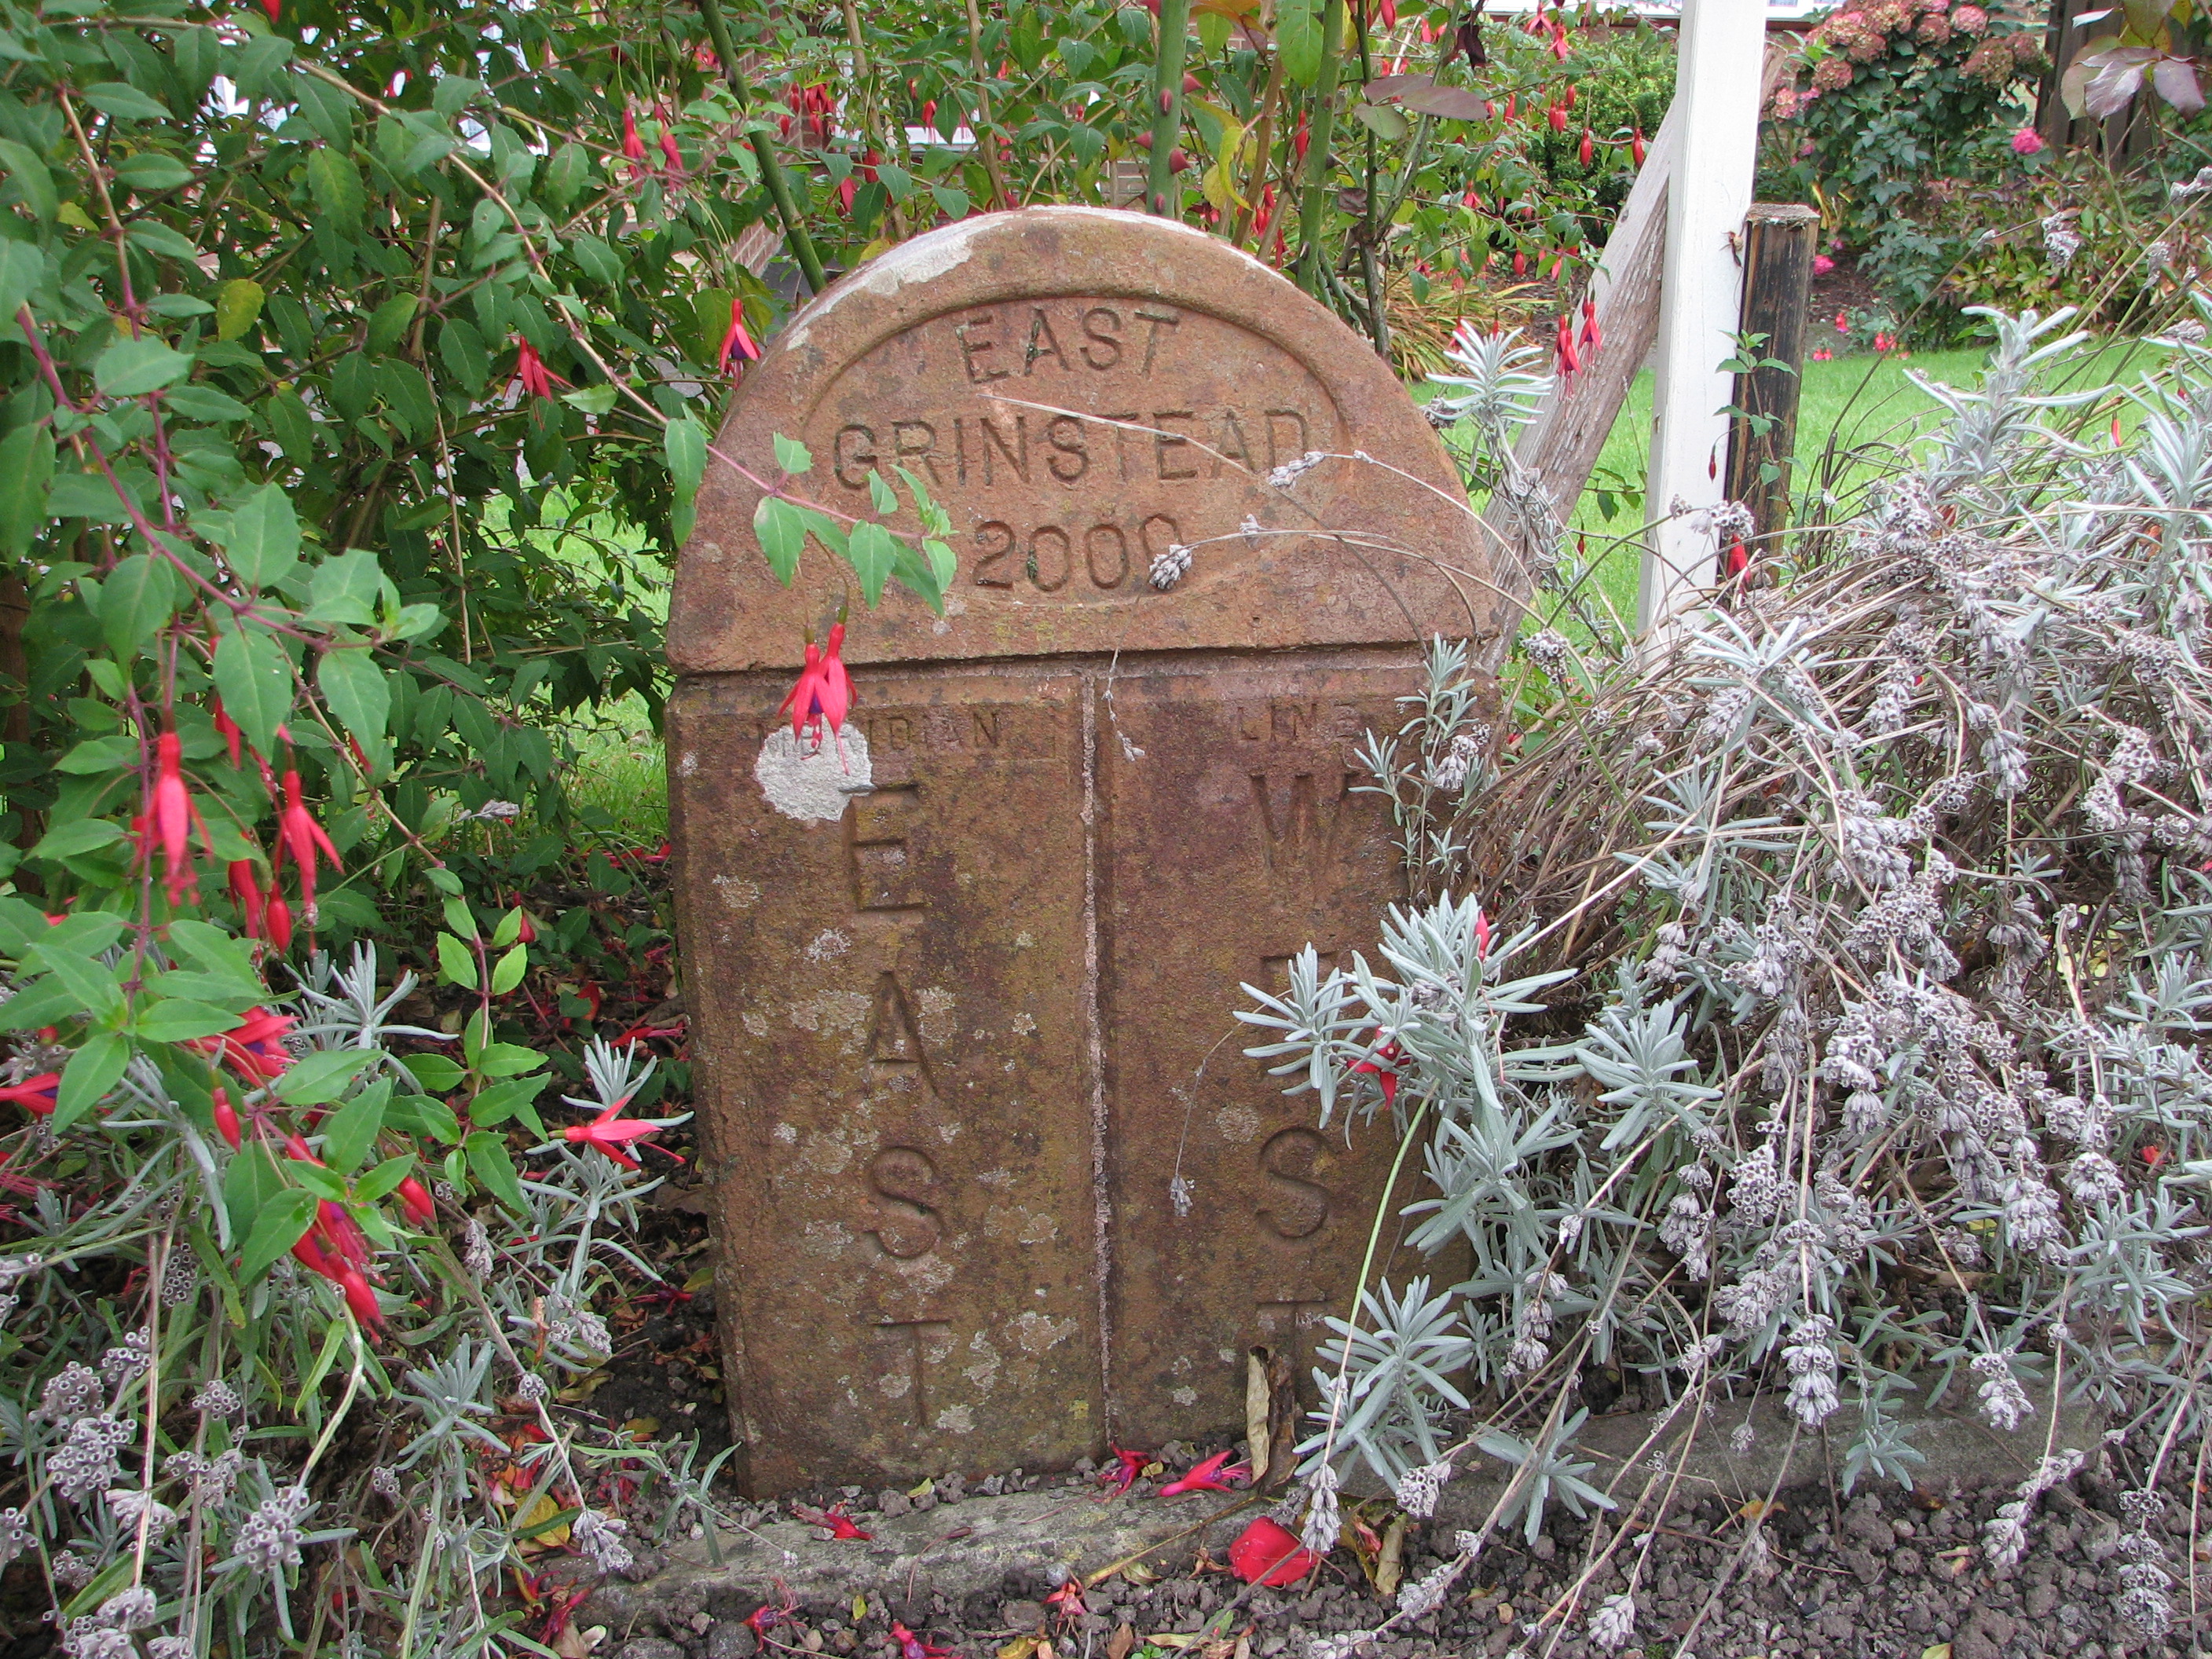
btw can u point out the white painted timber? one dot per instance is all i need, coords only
(1717, 88)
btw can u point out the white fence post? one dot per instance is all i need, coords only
(1716, 86)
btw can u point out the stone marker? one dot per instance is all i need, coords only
(997, 1185)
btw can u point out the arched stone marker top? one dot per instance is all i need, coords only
(1082, 389)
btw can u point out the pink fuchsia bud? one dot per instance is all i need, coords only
(277, 917)
(173, 814)
(2028, 142)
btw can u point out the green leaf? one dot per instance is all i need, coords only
(359, 695)
(385, 1178)
(949, 197)
(685, 442)
(419, 1114)
(176, 1021)
(1297, 39)
(460, 347)
(350, 1131)
(506, 1059)
(792, 456)
(489, 1158)
(130, 368)
(254, 678)
(263, 540)
(1382, 121)
(389, 321)
(508, 931)
(781, 530)
(249, 1186)
(345, 589)
(98, 756)
(461, 920)
(329, 109)
(152, 171)
(136, 598)
(22, 268)
(282, 1221)
(880, 492)
(598, 260)
(565, 177)
(457, 962)
(91, 1071)
(592, 399)
(507, 973)
(434, 1073)
(203, 403)
(124, 102)
(75, 838)
(872, 551)
(335, 183)
(318, 1077)
(26, 467)
(32, 181)
(512, 1098)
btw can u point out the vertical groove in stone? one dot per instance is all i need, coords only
(1095, 1042)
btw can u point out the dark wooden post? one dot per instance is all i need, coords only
(1779, 243)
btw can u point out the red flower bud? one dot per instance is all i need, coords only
(414, 1198)
(226, 1119)
(1588, 148)
(276, 918)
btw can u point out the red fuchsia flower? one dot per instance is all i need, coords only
(277, 916)
(1885, 342)
(610, 1133)
(1590, 336)
(300, 834)
(1481, 937)
(1556, 115)
(414, 1198)
(1739, 558)
(232, 736)
(246, 889)
(272, 7)
(1389, 13)
(1266, 1553)
(833, 1520)
(824, 691)
(929, 112)
(1066, 1602)
(1382, 1067)
(737, 344)
(1559, 42)
(1303, 137)
(226, 1120)
(1129, 1465)
(254, 1048)
(673, 156)
(1209, 1476)
(1635, 147)
(36, 1095)
(913, 1647)
(530, 368)
(1822, 354)
(632, 145)
(1589, 148)
(1520, 263)
(845, 191)
(2154, 1155)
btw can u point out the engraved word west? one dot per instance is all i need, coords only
(991, 1189)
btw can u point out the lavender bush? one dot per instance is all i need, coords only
(1819, 1009)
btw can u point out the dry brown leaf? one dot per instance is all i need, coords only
(1138, 1573)
(1256, 1396)
(1124, 1638)
(1390, 1560)
(703, 1279)
(1758, 1508)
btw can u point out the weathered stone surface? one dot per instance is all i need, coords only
(994, 1189)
